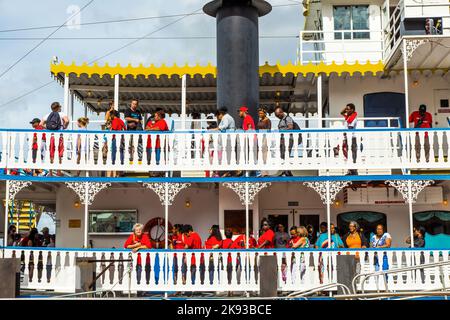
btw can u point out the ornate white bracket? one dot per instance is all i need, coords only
(160, 190)
(15, 186)
(93, 189)
(333, 188)
(412, 45)
(407, 186)
(253, 189)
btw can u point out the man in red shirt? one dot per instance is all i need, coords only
(422, 119)
(159, 124)
(36, 124)
(116, 123)
(191, 238)
(247, 123)
(138, 239)
(266, 240)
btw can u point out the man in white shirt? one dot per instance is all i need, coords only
(56, 107)
(226, 122)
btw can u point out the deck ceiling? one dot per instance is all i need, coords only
(160, 87)
(430, 53)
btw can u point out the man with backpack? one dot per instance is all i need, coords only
(55, 121)
(286, 124)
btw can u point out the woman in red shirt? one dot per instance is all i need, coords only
(159, 124)
(215, 238)
(138, 240)
(266, 239)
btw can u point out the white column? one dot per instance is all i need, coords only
(72, 113)
(183, 102)
(247, 233)
(405, 75)
(410, 208)
(6, 213)
(166, 215)
(86, 213)
(66, 94)
(319, 100)
(328, 197)
(116, 92)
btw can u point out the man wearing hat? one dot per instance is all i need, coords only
(36, 124)
(248, 123)
(422, 119)
(45, 236)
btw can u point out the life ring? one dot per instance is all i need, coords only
(154, 228)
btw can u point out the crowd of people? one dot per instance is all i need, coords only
(184, 237)
(31, 239)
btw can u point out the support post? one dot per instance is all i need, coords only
(116, 92)
(66, 94)
(183, 102)
(319, 100)
(7, 212)
(410, 208)
(72, 113)
(86, 213)
(405, 76)
(247, 233)
(328, 213)
(166, 215)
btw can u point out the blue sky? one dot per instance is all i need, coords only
(34, 70)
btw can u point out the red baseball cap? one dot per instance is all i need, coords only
(243, 109)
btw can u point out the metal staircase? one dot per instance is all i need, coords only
(23, 215)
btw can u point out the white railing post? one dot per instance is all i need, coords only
(116, 91)
(405, 77)
(6, 211)
(66, 94)
(183, 102)
(86, 212)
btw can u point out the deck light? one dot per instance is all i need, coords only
(76, 204)
(445, 202)
(187, 203)
(337, 203)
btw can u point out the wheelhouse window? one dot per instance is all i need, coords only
(350, 18)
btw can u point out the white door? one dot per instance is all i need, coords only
(441, 112)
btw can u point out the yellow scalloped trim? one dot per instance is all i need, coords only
(169, 71)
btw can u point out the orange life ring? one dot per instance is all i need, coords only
(156, 238)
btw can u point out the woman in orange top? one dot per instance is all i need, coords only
(138, 240)
(354, 238)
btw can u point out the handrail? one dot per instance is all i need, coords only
(301, 294)
(70, 295)
(410, 294)
(397, 270)
(227, 250)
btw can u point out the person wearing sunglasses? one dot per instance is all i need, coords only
(267, 238)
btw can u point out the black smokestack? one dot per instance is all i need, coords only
(237, 52)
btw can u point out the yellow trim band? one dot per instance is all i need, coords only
(209, 69)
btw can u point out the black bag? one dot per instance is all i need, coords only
(53, 121)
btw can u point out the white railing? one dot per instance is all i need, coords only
(339, 46)
(228, 270)
(212, 150)
(410, 9)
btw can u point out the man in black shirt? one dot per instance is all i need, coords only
(133, 116)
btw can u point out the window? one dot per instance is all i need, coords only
(351, 18)
(112, 221)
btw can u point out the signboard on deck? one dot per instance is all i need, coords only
(74, 224)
